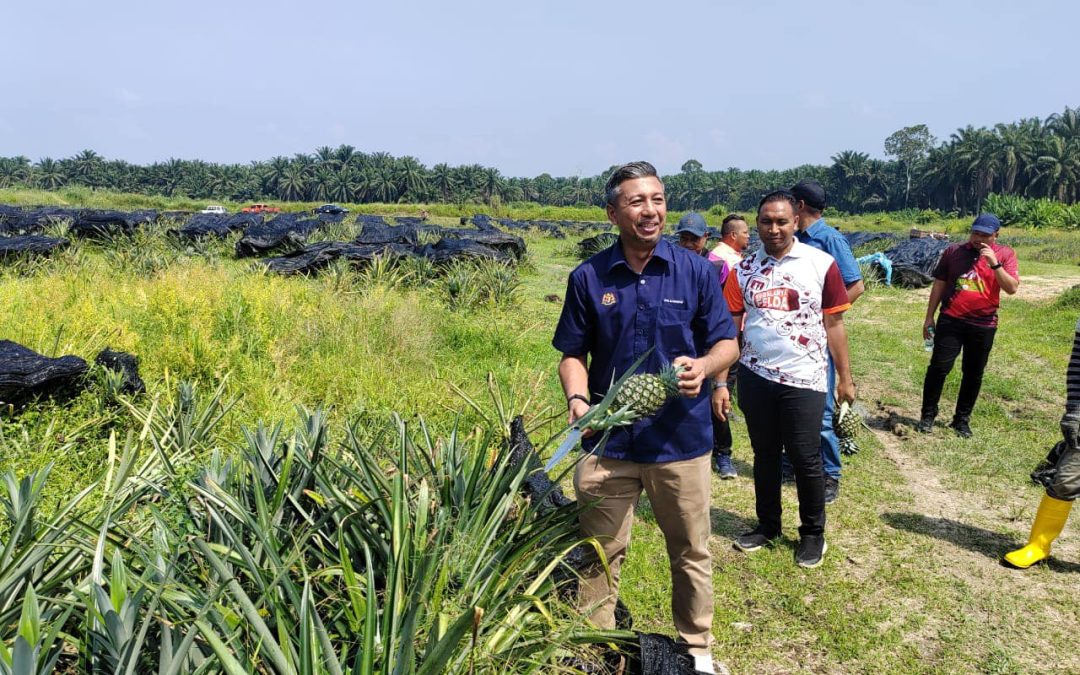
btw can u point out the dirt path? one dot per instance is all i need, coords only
(968, 533)
(1044, 288)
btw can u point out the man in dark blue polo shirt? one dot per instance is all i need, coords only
(644, 293)
(814, 231)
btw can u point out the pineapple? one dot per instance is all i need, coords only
(847, 423)
(646, 393)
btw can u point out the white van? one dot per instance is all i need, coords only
(214, 208)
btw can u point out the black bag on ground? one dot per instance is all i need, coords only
(25, 374)
(125, 363)
(914, 261)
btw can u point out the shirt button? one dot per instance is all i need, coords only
(642, 282)
(641, 307)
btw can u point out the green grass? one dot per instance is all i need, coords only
(899, 592)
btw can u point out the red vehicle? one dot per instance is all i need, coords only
(260, 208)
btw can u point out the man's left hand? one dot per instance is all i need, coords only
(690, 379)
(986, 251)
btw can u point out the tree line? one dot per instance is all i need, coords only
(1029, 158)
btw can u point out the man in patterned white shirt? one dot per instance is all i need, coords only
(792, 299)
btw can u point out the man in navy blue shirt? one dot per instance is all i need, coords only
(644, 293)
(815, 232)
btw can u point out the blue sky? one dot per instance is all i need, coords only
(567, 88)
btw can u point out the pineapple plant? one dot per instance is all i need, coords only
(846, 424)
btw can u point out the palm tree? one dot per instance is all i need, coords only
(293, 184)
(49, 174)
(442, 180)
(410, 178)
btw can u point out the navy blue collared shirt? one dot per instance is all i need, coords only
(613, 315)
(826, 238)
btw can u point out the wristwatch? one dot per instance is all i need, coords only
(994, 267)
(719, 384)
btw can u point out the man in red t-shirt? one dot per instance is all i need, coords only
(967, 285)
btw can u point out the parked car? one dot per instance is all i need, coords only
(332, 209)
(260, 208)
(214, 208)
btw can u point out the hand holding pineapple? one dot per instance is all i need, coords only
(692, 376)
(845, 390)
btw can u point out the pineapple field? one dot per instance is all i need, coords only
(320, 475)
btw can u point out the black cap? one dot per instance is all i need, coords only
(811, 192)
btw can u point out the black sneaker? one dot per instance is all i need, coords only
(961, 427)
(811, 550)
(832, 489)
(723, 466)
(753, 540)
(925, 425)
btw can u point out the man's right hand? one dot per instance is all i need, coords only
(927, 325)
(577, 409)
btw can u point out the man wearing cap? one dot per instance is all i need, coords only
(694, 236)
(968, 282)
(813, 231)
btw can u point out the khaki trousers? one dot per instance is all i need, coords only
(679, 493)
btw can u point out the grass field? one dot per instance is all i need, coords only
(911, 582)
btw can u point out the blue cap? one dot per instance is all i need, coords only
(693, 223)
(986, 223)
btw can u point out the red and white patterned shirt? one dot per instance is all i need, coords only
(785, 302)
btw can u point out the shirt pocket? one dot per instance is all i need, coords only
(673, 329)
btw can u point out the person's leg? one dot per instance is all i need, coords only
(1053, 512)
(679, 493)
(977, 343)
(947, 345)
(830, 444)
(798, 417)
(757, 401)
(721, 452)
(614, 486)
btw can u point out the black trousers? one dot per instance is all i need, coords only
(951, 337)
(721, 429)
(779, 418)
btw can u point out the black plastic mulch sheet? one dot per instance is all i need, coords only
(508, 244)
(125, 363)
(110, 223)
(549, 228)
(447, 251)
(32, 244)
(330, 217)
(365, 219)
(25, 374)
(34, 221)
(592, 245)
(216, 225)
(381, 233)
(857, 239)
(281, 232)
(316, 257)
(914, 260)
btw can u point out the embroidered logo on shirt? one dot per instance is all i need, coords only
(608, 299)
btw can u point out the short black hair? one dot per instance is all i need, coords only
(780, 196)
(725, 228)
(624, 173)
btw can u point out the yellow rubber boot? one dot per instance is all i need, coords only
(1048, 524)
